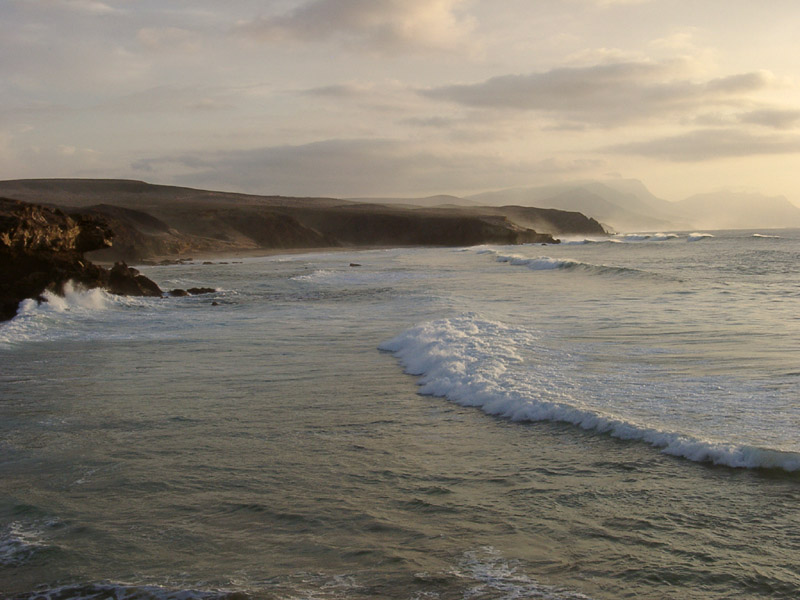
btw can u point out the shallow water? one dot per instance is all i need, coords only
(579, 397)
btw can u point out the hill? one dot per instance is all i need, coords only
(155, 221)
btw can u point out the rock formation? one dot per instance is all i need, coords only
(42, 249)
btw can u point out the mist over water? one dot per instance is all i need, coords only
(611, 417)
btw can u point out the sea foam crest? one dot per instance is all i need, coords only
(546, 263)
(697, 236)
(36, 320)
(477, 362)
(498, 577)
(645, 237)
(18, 543)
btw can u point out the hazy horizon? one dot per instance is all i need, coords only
(353, 98)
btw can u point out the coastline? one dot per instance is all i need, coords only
(222, 255)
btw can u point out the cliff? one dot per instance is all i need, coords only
(156, 221)
(43, 248)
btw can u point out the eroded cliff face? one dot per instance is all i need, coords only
(42, 249)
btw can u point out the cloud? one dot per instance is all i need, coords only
(605, 94)
(90, 6)
(775, 118)
(94, 7)
(708, 144)
(169, 39)
(171, 99)
(352, 167)
(378, 25)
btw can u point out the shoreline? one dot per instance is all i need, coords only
(172, 259)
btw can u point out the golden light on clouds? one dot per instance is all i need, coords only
(423, 97)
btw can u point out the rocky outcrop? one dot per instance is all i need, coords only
(42, 249)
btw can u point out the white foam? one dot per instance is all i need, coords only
(543, 263)
(493, 575)
(645, 237)
(696, 237)
(767, 237)
(18, 543)
(579, 241)
(477, 362)
(36, 321)
(546, 263)
(318, 275)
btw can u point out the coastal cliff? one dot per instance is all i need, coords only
(160, 222)
(43, 248)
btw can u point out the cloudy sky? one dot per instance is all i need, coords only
(403, 97)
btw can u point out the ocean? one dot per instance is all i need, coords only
(605, 418)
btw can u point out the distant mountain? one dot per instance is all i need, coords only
(731, 210)
(621, 205)
(627, 205)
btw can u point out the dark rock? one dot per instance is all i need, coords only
(215, 303)
(207, 262)
(194, 291)
(42, 249)
(355, 265)
(127, 281)
(178, 293)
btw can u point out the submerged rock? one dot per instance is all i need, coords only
(42, 249)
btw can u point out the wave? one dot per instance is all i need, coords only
(546, 263)
(496, 575)
(632, 238)
(766, 237)
(645, 237)
(578, 241)
(18, 544)
(475, 362)
(696, 237)
(42, 320)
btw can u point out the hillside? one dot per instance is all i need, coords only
(156, 221)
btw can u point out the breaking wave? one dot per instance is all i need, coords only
(493, 576)
(697, 236)
(645, 237)
(51, 318)
(546, 263)
(19, 542)
(476, 362)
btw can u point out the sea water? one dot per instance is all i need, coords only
(614, 417)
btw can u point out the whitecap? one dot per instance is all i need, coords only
(18, 543)
(546, 263)
(490, 574)
(476, 362)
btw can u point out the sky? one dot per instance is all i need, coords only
(351, 98)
